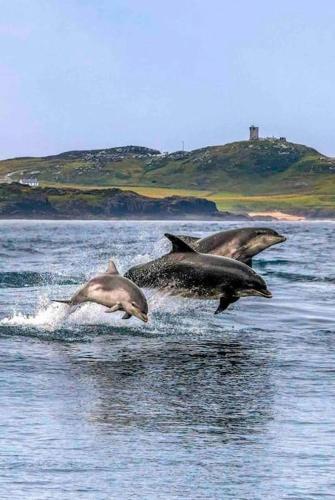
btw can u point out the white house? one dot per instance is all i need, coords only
(29, 181)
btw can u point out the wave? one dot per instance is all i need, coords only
(51, 316)
(52, 322)
(168, 316)
(16, 279)
(11, 249)
(273, 262)
(296, 277)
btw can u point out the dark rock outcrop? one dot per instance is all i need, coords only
(18, 201)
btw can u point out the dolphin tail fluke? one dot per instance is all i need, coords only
(224, 303)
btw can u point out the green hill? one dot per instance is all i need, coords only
(264, 174)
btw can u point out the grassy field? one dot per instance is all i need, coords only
(153, 192)
(227, 201)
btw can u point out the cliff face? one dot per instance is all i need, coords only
(25, 202)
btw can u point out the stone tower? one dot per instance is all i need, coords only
(253, 133)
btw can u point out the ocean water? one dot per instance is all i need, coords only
(189, 406)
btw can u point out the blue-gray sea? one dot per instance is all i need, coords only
(189, 406)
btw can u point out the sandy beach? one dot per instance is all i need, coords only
(278, 215)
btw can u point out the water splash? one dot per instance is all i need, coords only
(47, 316)
(167, 315)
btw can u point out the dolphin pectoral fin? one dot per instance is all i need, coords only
(114, 308)
(178, 245)
(238, 252)
(126, 316)
(225, 302)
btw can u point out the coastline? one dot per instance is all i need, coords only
(278, 215)
(255, 219)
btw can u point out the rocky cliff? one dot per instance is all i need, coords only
(17, 201)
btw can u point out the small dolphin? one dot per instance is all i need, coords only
(240, 244)
(113, 291)
(188, 273)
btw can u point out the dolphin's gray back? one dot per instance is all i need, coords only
(238, 244)
(225, 243)
(190, 270)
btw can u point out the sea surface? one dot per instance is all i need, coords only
(189, 406)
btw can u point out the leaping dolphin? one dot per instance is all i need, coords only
(188, 273)
(113, 291)
(240, 244)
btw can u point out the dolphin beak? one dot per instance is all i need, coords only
(140, 315)
(144, 317)
(281, 239)
(266, 293)
(134, 310)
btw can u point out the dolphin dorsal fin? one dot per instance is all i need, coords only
(190, 240)
(178, 245)
(112, 269)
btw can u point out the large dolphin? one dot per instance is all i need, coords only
(186, 272)
(113, 291)
(240, 244)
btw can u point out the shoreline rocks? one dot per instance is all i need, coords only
(19, 201)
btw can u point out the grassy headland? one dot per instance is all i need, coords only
(240, 177)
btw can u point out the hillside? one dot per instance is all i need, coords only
(243, 170)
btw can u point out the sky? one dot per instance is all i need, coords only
(85, 74)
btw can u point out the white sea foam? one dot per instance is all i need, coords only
(51, 316)
(48, 316)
